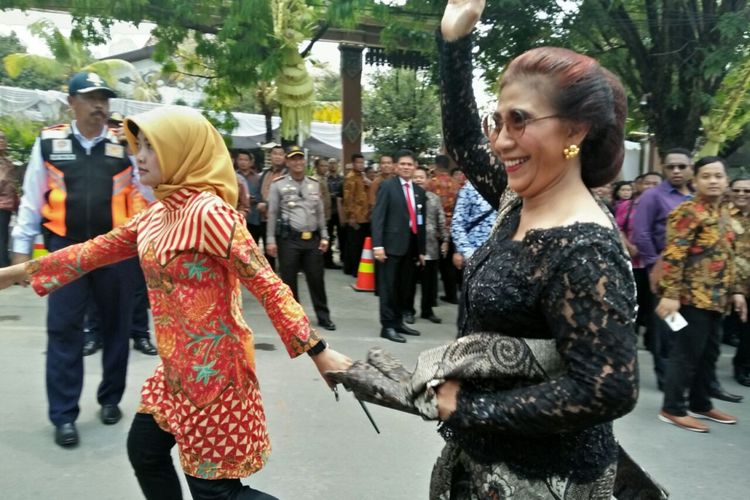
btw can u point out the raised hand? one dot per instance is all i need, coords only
(460, 17)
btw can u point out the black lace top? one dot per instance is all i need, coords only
(571, 283)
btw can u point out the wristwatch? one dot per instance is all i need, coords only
(317, 348)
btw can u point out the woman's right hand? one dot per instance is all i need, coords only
(11, 275)
(460, 17)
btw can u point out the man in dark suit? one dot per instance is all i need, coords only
(398, 237)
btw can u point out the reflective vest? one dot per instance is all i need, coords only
(89, 193)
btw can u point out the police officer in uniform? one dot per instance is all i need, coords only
(297, 231)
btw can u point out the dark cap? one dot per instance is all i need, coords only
(85, 82)
(293, 151)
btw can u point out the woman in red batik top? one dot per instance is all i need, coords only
(195, 252)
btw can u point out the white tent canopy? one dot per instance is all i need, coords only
(48, 105)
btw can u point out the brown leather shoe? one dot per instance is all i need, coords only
(687, 422)
(715, 415)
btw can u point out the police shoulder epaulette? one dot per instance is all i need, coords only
(60, 131)
(312, 178)
(280, 178)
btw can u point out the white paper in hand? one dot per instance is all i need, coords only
(676, 322)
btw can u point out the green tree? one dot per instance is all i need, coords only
(20, 133)
(70, 55)
(240, 43)
(675, 54)
(10, 44)
(731, 111)
(402, 111)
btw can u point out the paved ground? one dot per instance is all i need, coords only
(322, 450)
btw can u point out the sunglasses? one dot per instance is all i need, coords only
(675, 166)
(740, 191)
(514, 122)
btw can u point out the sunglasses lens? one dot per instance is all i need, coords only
(517, 120)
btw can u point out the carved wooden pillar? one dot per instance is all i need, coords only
(351, 100)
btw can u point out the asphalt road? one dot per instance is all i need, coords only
(322, 450)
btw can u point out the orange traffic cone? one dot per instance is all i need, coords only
(39, 250)
(366, 272)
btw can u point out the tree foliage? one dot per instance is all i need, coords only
(20, 134)
(10, 44)
(70, 55)
(238, 44)
(731, 109)
(675, 54)
(402, 111)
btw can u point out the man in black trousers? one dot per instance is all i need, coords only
(398, 237)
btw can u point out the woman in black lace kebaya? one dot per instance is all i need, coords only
(553, 268)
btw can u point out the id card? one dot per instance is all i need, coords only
(676, 322)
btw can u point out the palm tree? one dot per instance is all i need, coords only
(70, 56)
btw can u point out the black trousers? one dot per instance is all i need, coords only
(112, 287)
(429, 278)
(449, 274)
(692, 362)
(355, 240)
(149, 453)
(263, 227)
(395, 284)
(139, 328)
(332, 225)
(295, 255)
(4, 237)
(741, 359)
(256, 231)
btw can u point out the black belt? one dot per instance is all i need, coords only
(303, 235)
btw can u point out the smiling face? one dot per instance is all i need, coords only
(531, 140)
(711, 181)
(149, 168)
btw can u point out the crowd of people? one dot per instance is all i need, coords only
(522, 220)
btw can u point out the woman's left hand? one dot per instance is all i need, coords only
(447, 398)
(331, 361)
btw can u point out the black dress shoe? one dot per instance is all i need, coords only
(145, 346)
(90, 347)
(431, 317)
(406, 330)
(743, 380)
(720, 393)
(66, 435)
(409, 318)
(450, 300)
(392, 335)
(327, 324)
(110, 414)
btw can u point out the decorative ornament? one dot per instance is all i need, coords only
(571, 152)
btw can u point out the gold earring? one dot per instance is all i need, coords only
(571, 152)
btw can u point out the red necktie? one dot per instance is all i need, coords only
(412, 214)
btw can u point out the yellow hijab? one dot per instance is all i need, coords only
(191, 151)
